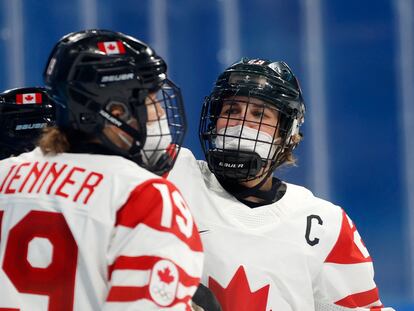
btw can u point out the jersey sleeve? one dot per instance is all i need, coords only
(346, 281)
(155, 258)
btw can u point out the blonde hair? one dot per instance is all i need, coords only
(53, 141)
(289, 158)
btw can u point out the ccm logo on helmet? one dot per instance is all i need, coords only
(120, 77)
(30, 126)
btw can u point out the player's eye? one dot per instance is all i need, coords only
(229, 110)
(259, 113)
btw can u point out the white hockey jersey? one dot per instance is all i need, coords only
(300, 253)
(93, 232)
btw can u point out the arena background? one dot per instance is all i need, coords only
(355, 61)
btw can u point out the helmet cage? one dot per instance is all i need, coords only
(164, 106)
(243, 85)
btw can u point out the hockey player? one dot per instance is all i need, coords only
(24, 112)
(269, 245)
(86, 224)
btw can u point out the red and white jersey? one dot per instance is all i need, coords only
(300, 253)
(93, 232)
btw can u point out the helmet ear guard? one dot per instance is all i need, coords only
(89, 70)
(270, 83)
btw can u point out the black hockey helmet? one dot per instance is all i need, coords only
(272, 83)
(90, 71)
(24, 112)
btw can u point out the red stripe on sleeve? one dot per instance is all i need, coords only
(147, 263)
(360, 299)
(345, 250)
(128, 293)
(131, 293)
(133, 263)
(145, 205)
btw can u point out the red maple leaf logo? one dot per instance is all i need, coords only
(28, 97)
(111, 47)
(238, 295)
(165, 275)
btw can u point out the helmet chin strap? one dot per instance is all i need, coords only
(134, 146)
(241, 192)
(124, 139)
(133, 153)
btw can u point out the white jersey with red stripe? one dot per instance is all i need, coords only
(300, 253)
(93, 232)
